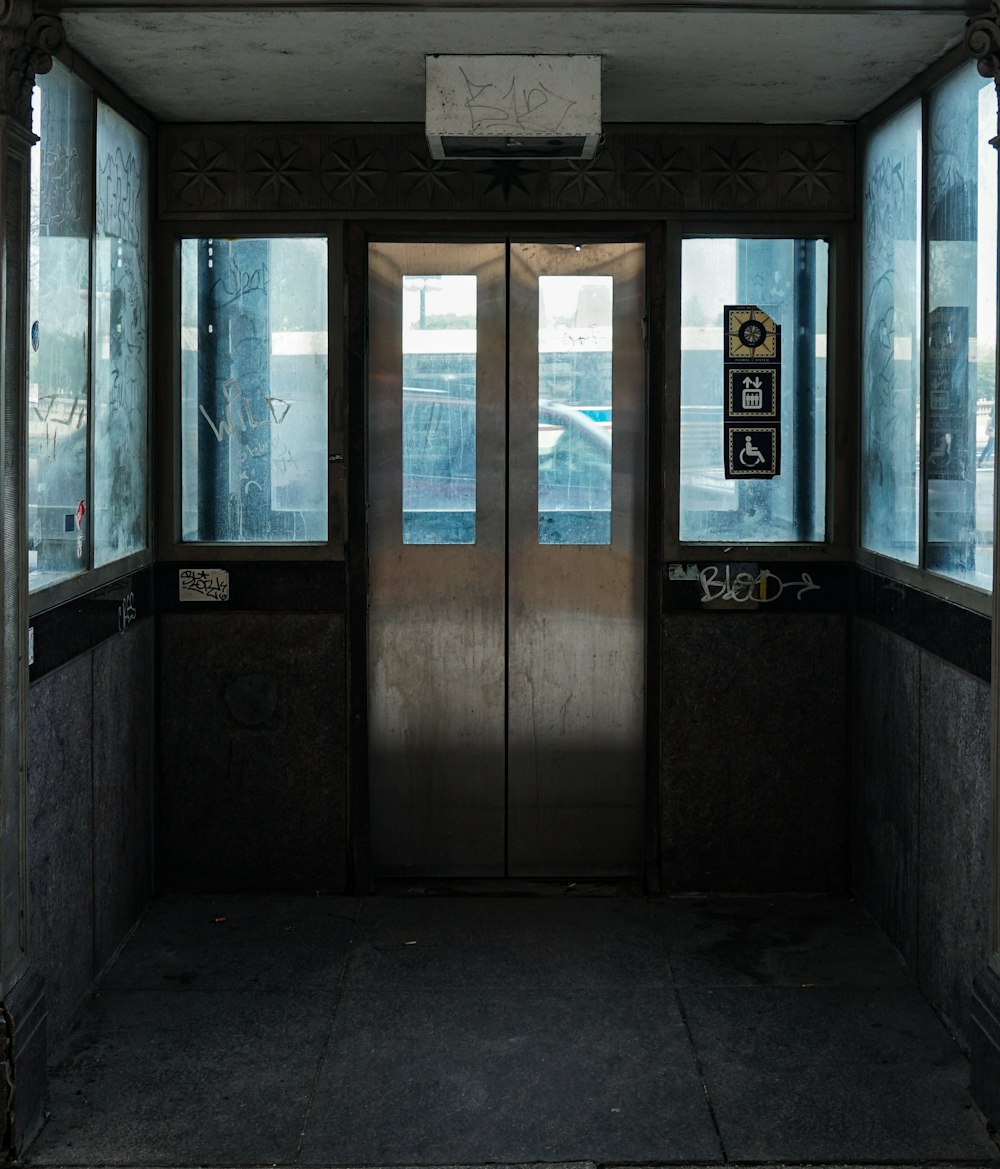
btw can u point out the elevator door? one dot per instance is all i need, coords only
(506, 643)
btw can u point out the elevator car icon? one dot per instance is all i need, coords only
(753, 393)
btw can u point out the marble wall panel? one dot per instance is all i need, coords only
(123, 785)
(252, 752)
(754, 752)
(885, 806)
(60, 829)
(954, 869)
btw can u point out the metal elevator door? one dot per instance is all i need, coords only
(506, 493)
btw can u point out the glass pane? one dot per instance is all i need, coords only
(961, 327)
(574, 409)
(121, 342)
(890, 339)
(254, 345)
(439, 409)
(59, 299)
(788, 280)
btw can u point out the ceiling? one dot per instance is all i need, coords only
(663, 62)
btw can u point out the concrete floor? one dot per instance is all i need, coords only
(447, 1030)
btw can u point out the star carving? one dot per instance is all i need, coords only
(584, 181)
(737, 172)
(199, 169)
(351, 173)
(506, 176)
(659, 173)
(428, 176)
(277, 167)
(810, 171)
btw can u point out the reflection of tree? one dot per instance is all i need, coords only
(448, 321)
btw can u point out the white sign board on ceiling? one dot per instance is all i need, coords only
(513, 106)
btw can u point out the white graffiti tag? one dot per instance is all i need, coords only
(761, 587)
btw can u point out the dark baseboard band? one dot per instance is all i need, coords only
(951, 632)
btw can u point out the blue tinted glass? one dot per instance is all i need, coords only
(254, 346)
(439, 409)
(890, 339)
(960, 336)
(787, 279)
(575, 409)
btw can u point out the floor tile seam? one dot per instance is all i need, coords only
(369, 988)
(321, 1059)
(303, 989)
(736, 1163)
(700, 1071)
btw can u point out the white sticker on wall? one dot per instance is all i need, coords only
(204, 584)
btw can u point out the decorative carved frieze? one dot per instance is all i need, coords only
(387, 170)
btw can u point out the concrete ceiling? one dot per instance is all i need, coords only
(365, 62)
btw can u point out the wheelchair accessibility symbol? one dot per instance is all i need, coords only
(751, 456)
(752, 452)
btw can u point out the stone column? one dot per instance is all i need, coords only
(982, 39)
(27, 42)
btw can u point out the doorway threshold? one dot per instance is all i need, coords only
(505, 887)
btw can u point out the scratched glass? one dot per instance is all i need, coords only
(574, 409)
(59, 312)
(960, 337)
(254, 372)
(890, 338)
(121, 339)
(439, 409)
(788, 279)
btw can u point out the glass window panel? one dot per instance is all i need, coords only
(254, 356)
(890, 339)
(121, 341)
(574, 409)
(59, 309)
(787, 279)
(960, 336)
(439, 409)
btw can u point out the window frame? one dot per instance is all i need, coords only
(965, 593)
(837, 487)
(93, 579)
(170, 546)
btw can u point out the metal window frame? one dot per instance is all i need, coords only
(959, 592)
(93, 579)
(836, 544)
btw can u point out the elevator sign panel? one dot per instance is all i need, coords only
(752, 407)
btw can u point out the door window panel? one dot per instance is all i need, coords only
(575, 409)
(439, 409)
(254, 353)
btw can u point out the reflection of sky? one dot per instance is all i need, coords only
(442, 296)
(708, 280)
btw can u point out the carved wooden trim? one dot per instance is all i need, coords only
(347, 170)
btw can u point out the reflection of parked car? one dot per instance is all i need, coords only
(439, 455)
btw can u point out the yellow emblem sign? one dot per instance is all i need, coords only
(751, 335)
